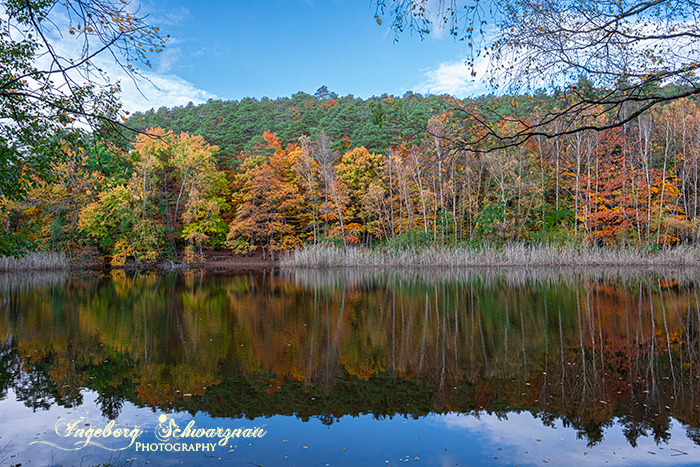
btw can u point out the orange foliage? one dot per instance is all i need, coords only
(623, 201)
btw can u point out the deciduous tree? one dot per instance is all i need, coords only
(614, 57)
(44, 92)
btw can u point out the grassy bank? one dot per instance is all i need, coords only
(519, 255)
(35, 261)
(489, 256)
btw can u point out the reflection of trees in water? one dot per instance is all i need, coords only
(637, 361)
(9, 363)
(17, 281)
(588, 347)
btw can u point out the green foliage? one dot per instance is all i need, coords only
(236, 126)
(557, 217)
(410, 240)
(15, 244)
(490, 221)
(109, 163)
(557, 235)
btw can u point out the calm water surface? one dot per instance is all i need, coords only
(351, 368)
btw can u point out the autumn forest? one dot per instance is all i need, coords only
(278, 175)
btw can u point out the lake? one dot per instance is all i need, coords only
(351, 367)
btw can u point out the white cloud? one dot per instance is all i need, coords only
(523, 439)
(168, 58)
(454, 78)
(439, 13)
(440, 28)
(162, 91)
(160, 87)
(204, 51)
(162, 14)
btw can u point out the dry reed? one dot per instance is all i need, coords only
(35, 261)
(490, 256)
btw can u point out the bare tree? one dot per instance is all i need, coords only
(612, 58)
(326, 157)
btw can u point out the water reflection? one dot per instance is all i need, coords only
(586, 348)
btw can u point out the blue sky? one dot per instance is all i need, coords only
(235, 49)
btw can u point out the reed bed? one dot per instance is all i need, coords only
(490, 256)
(35, 261)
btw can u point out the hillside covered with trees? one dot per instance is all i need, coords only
(281, 174)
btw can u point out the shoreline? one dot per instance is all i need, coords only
(337, 258)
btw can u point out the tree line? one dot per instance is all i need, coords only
(281, 174)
